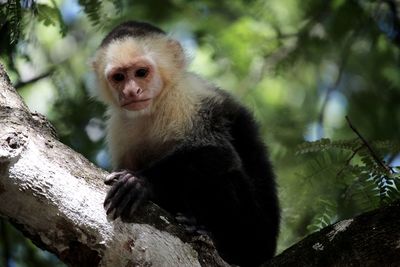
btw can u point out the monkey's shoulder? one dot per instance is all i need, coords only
(218, 117)
(222, 110)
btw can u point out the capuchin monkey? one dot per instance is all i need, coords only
(179, 141)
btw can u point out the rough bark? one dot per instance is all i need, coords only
(370, 239)
(54, 196)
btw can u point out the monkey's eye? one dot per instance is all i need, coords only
(118, 77)
(141, 73)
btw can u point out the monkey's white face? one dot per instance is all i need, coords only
(134, 84)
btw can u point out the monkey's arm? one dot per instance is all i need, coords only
(188, 173)
(208, 182)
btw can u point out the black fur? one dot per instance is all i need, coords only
(131, 29)
(220, 175)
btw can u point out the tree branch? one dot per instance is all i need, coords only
(20, 84)
(369, 147)
(371, 239)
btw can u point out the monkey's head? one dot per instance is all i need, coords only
(134, 64)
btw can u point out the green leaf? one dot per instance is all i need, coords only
(63, 26)
(47, 14)
(336, 4)
(93, 9)
(14, 17)
(325, 217)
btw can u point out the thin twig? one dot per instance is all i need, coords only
(371, 150)
(347, 163)
(21, 84)
(341, 68)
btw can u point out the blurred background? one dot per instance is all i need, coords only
(300, 66)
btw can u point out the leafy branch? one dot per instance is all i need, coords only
(370, 149)
(369, 182)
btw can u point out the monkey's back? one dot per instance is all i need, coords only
(250, 238)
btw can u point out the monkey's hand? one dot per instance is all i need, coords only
(127, 193)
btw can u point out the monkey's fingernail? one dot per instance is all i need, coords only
(109, 211)
(110, 218)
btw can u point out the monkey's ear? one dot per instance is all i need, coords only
(96, 61)
(92, 63)
(177, 52)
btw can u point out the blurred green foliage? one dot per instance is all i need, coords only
(301, 66)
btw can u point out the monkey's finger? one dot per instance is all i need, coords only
(123, 191)
(110, 195)
(113, 190)
(140, 199)
(137, 195)
(125, 203)
(114, 177)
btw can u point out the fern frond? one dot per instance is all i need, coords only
(14, 18)
(93, 10)
(352, 144)
(315, 146)
(325, 144)
(46, 14)
(388, 145)
(118, 5)
(49, 15)
(61, 23)
(325, 217)
(368, 160)
(394, 190)
(366, 195)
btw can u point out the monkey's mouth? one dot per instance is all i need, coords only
(136, 104)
